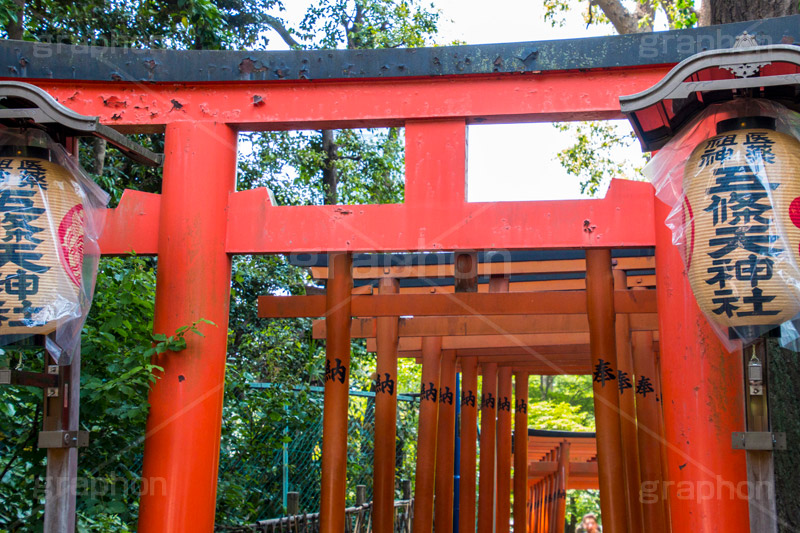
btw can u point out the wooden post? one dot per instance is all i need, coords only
(445, 442)
(405, 487)
(427, 434)
(385, 415)
(469, 439)
(650, 429)
(520, 451)
(62, 463)
(337, 390)
(561, 496)
(553, 507)
(486, 494)
(504, 402)
(465, 269)
(292, 503)
(627, 414)
(600, 306)
(547, 498)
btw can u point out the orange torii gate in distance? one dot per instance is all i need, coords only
(496, 346)
(201, 100)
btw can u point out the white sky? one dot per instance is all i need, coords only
(506, 162)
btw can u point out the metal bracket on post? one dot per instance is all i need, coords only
(28, 379)
(758, 440)
(63, 439)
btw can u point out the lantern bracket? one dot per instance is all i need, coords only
(22, 103)
(63, 439)
(758, 440)
(689, 89)
(28, 379)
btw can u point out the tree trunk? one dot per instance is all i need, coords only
(727, 11)
(99, 155)
(16, 29)
(330, 178)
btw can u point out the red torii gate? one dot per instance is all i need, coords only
(199, 220)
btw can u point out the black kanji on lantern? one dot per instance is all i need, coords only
(759, 148)
(5, 167)
(644, 386)
(624, 381)
(3, 312)
(487, 400)
(446, 396)
(429, 393)
(718, 149)
(384, 385)
(22, 284)
(603, 372)
(23, 255)
(32, 174)
(18, 228)
(522, 406)
(755, 238)
(468, 398)
(338, 372)
(505, 404)
(27, 311)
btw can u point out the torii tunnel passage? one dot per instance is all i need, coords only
(203, 99)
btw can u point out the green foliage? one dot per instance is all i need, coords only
(562, 402)
(678, 13)
(370, 23)
(175, 343)
(116, 375)
(369, 165)
(592, 157)
(582, 502)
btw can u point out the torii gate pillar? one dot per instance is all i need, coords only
(179, 477)
(703, 403)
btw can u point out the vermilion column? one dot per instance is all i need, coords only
(427, 435)
(504, 402)
(600, 306)
(703, 404)
(445, 443)
(650, 428)
(337, 392)
(561, 494)
(486, 495)
(179, 488)
(520, 451)
(627, 404)
(385, 416)
(469, 439)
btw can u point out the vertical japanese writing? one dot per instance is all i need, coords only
(446, 396)
(20, 243)
(468, 398)
(603, 372)
(428, 393)
(487, 400)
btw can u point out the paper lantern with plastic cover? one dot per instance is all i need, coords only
(41, 242)
(741, 246)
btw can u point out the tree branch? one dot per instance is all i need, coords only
(622, 19)
(285, 34)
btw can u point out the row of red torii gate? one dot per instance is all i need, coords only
(605, 320)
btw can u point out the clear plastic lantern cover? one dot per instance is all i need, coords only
(732, 179)
(51, 215)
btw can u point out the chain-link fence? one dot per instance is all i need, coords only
(286, 455)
